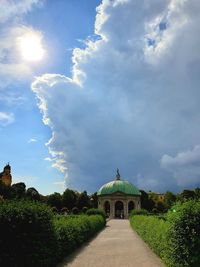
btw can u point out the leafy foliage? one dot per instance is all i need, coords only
(184, 234)
(175, 237)
(27, 234)
(153, 230)
(139, 212)
(96, 212)
(72, 231)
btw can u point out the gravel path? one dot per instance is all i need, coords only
(116, 246)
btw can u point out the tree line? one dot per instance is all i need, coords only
(151, 201)
(71, 200)
(66, 202)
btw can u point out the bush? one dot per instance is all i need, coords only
(75, 210)
(96, 212)
(84, 209)
(27, 234)
(139, 212)
(175, 237)
(72, 231)
(153, 231)
(184, 234)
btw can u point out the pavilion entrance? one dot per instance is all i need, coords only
(107, 208)
(119, 209)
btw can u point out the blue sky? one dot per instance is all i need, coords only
(116, 87)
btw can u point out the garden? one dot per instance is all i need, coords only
(33, 235)
(174, 236)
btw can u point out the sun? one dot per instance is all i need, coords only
(30, 47)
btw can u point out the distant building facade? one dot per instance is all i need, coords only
(118, 198)
(156, 196)
(5, 176)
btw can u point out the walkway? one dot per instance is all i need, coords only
(116, 246)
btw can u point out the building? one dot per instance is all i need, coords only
(156, 196)
(117, 198)
(5, 176)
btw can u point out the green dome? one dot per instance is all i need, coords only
(118, 186)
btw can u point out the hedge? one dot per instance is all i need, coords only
(153, 231)
(72, 231)
(184, 234)
(27, 236)
(96, 212)
(31, 235)
(176, 237)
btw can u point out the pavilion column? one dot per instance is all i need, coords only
(112, 209)
(125, 209)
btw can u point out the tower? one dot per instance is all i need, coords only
(5, 176)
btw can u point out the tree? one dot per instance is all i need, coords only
(83, 200)
(18, 190)
(186, 195)
(94, 200)
(69, 199)
(197, 192)
(146, 202)
(170, 199)
(32, 194)
(55, 200)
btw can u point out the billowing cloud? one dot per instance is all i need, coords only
(185, 166)
(6, 118)
(133, 95)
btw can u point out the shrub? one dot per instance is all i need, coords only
(175, 237)
(71, 231)
(65, 210)
(153, 231)
(27, 234)
(184, 234)
(75, 210)
(139, 212)
(84, 209)
(96, 212)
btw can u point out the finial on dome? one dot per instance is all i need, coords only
(117, 175)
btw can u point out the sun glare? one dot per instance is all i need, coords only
(30, 46)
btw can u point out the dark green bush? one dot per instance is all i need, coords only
(27, 235)
(139, 212)
(72, 231)
(84, 209)
(184, 234)
(96, 212)
(75, 210)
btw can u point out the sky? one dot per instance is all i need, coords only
(87, 87)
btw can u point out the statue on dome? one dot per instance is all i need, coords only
(118, 175)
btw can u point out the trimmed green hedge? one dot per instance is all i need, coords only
(153, 230)
(184, 234)
(30, 234)
(96, 212)
(27, 236)
(139, 212)
(175, 238)
(72, 231)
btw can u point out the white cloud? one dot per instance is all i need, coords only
(6, 118)
(185, 166)
(127, 103)
(32, 140)
(11, 9)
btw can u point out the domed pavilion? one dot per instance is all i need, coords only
(117, 198)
